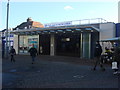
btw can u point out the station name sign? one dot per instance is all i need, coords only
(58, 24)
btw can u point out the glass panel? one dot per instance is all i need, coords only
(86, 45)
(25, 43)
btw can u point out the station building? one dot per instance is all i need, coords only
(71, 38)
(115, 40)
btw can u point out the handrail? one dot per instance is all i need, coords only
(76, 22)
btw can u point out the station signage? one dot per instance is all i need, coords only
(58, 24)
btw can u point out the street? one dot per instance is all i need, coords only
(56, 72)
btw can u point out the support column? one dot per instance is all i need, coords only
(81, 45)
(0, 61)
(52, 45)
(89, 45)
(16, 43)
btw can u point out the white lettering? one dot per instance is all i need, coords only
(58, 24)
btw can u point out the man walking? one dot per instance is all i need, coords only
(12, 53)
(116, 59)
(97, 55)
(33, 53)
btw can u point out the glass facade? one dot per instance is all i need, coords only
(26, 42)
(86, 45)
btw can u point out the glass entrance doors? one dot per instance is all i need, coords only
(68, 44)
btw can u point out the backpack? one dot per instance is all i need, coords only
(12, 51)
(33, 51)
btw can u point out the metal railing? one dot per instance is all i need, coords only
(77, 22)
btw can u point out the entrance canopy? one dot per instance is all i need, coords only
(111, 40)
(60, 29)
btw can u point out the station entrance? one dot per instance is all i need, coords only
(68, 44)
(75, 41)
(44, 44)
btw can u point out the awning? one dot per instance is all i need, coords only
(60, 29)
(116, 39)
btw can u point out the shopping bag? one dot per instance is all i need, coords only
(114, 65)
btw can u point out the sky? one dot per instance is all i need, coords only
(51, 11)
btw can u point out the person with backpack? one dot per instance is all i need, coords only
(97, 55)
(12, 53)
(33, 53)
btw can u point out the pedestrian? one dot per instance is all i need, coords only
(116, 58)
(12, 53)
(106, 56)
(97, 55)
(33, 53)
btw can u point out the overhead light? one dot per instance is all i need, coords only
(68, 30)
(67, 39)
(37, 28)
(38, 31)
(60, 30)
(45, 31)
(77, 29)
(88, 29)
(52, 31)
(92, 31)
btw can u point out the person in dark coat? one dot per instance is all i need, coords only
(116, 57)
(12, 53)
(97, 55)
(33, 53)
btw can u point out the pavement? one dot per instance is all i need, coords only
(56, 72)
